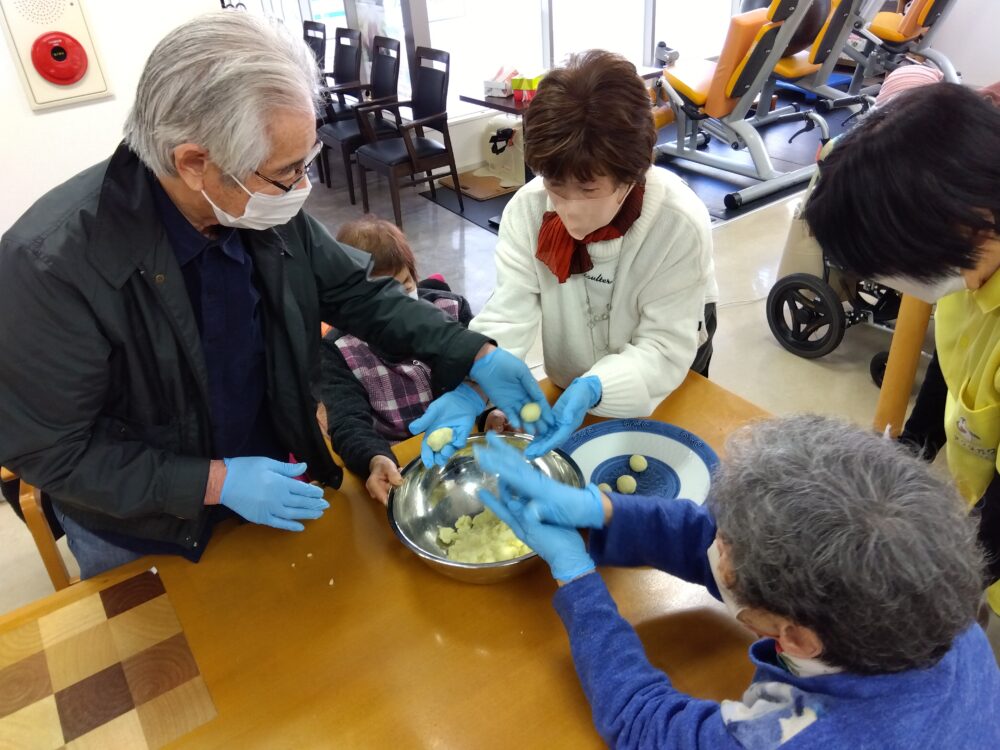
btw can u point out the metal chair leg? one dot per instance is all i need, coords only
(458, 188)
(349, 173)
(394, 193)
(363, 174)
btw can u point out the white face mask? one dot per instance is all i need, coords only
(928, 291)
(413, 294)
(581, 216)
(727, 595)
(799, 666)
(264, 211)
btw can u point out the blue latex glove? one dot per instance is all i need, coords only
(568, 413)
(263, 491)
(560, 547)
(545, 499)
(509, 384)
(456, 409)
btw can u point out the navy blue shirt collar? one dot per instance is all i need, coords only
(188, 243)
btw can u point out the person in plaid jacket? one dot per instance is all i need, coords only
(369, 398)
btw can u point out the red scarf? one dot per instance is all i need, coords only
(564, 255)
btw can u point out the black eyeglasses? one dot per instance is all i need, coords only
(301, 172)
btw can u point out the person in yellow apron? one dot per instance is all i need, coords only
(911, 197)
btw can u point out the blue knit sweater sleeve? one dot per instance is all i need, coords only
(633, 704)
(671, 535)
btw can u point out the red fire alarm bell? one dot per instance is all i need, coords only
(59, 58)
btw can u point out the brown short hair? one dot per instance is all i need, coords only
(590, 118)
(384, 240)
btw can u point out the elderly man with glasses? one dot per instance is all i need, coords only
(161, 310)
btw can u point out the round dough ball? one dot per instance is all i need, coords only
(638, 463)
(440, 438)
(604, 487)
(626, 484)
(531, 412)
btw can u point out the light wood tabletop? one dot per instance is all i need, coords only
(340, 637)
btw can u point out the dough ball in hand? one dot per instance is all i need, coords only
(638, 463)
(440, 438)
(531, 412)
(626, 484)
(604, 487)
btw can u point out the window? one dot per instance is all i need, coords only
(696, 30)
(580, 25)
(330, 12)
(383, 18)
(482, 37)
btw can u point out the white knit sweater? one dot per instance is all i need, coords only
(664, 279)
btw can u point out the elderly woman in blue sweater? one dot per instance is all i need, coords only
(854, 564)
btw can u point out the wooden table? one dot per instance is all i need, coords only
(901, 368)
(392, 654)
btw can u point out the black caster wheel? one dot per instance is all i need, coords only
(805, 315)
(877, 367)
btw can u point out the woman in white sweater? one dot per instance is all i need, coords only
(609, 254)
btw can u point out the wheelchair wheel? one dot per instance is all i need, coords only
(877, 367)
(805, 315)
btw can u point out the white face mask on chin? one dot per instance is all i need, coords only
(800, 666)
(928, 291)
(581, 216)
(264, 211)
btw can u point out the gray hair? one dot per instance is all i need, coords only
(844, 532)
(216, 81)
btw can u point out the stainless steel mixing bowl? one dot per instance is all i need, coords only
(430, 498)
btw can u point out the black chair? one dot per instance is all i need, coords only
(410, 152)
(314, 33)
(347, 134)
(346, 76)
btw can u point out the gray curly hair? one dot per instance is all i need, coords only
(844, 532)
(216, 81)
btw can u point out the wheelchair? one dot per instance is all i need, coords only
(814, 302)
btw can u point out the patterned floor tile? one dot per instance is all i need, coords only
(81, 655)
(72, 619)
(131, 593)
(124, 732)
(19, 643)
(94, 701)
(34, 727)
(160, 668)
(24, 683)
(144, 626)
(176, 712)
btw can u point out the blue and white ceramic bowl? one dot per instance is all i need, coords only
(680, 463)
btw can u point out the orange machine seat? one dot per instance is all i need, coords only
(705, 84)
(796, 66)
(691, 79)
(886, 27)
(900, 27)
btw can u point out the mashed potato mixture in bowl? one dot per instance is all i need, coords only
(437, 514)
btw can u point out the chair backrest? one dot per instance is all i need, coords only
(430, 83)
(750, 53)
(385, 67)
(920, 16)
(347, 56)
(829, 40)
(314, 33)
(931, 13)
(743, 33)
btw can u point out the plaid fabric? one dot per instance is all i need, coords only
(398, 392)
